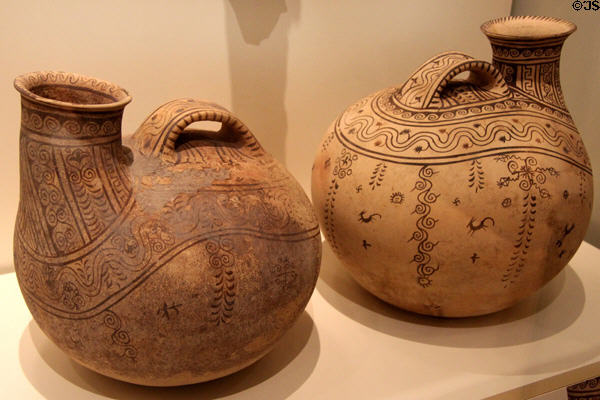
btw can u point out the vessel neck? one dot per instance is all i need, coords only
(74, 178)
(527, 52)
(531, 68)
(63, 127)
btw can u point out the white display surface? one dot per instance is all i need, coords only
(350, 345)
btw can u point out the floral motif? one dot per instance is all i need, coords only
(527, 172)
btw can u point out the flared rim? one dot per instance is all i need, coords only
(114, 96)
(528, 28)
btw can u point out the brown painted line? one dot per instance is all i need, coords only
(30, 210)
(343, 139)
(381, 113)
(121, 171)
(69, 196)
(339, 132)
(69, 142)
(81, 213)
(38, 207)
(536, 82)
(544, 103)
(440, 110)
(526, 60)
(78, 88)
(113, 179)
(60, 113)
(79, 254)
(106, 183)
(528, 44)
(458, 158)
(250, 184)
(484, 115)
(166, 131)
(123, 292)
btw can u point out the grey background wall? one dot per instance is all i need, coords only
(580, 77)
(285, 67)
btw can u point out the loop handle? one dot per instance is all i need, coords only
(157, 135)
(425, 86)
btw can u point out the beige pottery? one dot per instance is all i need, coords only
(460, 197)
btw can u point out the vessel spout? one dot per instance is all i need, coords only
(527, 52)
(74, 178)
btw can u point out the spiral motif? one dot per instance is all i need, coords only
(62, 215)
(75, 177)
(112, 321)
(215, 261)
(418, 236)
(88, 175)
(90, 128)
(540, 178)
(530, 162)
(51, 218)
(427, 245)
(425, 223)
(428, 223)
(44, 196)
(72, 127)
(44, 155)
(121, 337)
(525, 184)
(212, 247)
(341, 173)
(158, 246)
(420, 209)
(55, 196)
(513, 166)
(430, 197)
(130, 352)
(108, 128)
(226, 259)
(35, 121)
(428, 270)
(51, 123)
(419, 258)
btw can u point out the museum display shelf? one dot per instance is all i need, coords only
(348, 344)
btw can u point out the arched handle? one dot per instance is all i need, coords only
(157, 135)
(424, 87)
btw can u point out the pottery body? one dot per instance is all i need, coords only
(179, 258)
(456, 197)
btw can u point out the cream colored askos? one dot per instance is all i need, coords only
(453, 197)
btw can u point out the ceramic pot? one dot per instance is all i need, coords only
(460, 197)
(179, 259)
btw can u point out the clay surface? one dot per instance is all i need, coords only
(178, 258)
(460, 197)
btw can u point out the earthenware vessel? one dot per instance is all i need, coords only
(460, 197)
(181, 258)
